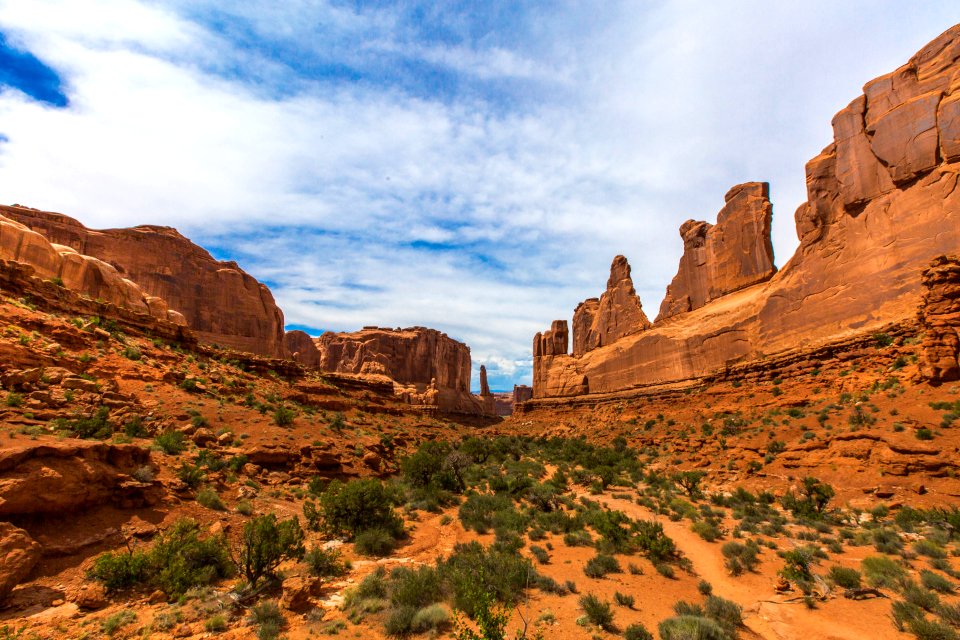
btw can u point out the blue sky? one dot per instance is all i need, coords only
(468, 166)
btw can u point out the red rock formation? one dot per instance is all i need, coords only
(424, 359)
(18, 555)
(521, 393)
(616, 314)
(487, 402)
(299, 345)
(223, 304)
(940, 319)
(80, 273)
(882, 203)
(726, 257)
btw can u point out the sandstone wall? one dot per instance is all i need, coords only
(882, 203)
(80, 273)
(299, 346)
(940, 319)
(222, 304)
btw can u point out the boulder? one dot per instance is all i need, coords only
(19, 553)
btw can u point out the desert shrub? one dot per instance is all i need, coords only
(577, 539)
(624, 600)
(471, 569)
(415, 588)
(14, 399)
(708, 529)
(134, 428)
(796, 567)
(376, 542)
(705, 588)
(112, 624)
(172, 442)
(352, 507)
(283, 415)
(903, 613)
(689, 627)
(191, 475)
(726, 613)
(887, 540)
(597, 611)
(615, 536)
(929, 548)
(479, 510)
(216, 624)
(400, 621)
(96, 427)
(689, 481)
(210, 499)
(178, 561)
(600, 565)
(436, 465)
(434, 617)
(265, 543)
(845, 577)
(810, 500)
(739, 557)
(881, 571)
(936, 582)
(540, 554)
(925, 629)
(919, 596)
(268, 619)
(325, 563)
(637, 631)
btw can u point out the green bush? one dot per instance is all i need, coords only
(210, 499)
(376, 542)
(881, 571)
(178, 561)
(691, 628)
(268, 618)
(283, 415)
(14, 399)
(472, 570)
(810, 500)
(637, 631)
(624, 600)
(415, 588)
(597, 611)
(925, 629)
(117, 621)
(95, 427)
(172, 442)
(726, 613)
(936, 582)
(352, 507)
(325, 563)
(600, 565)
(740, 558)
(265, 543)
(845, 577)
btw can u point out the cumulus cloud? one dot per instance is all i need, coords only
(404, 164)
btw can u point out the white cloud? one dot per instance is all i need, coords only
(636, 120)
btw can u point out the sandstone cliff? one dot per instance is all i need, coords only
(80, 273)
(222, 304)
(434, 366)
(488, 402)
(882, 203)
(299, 346)
(616, 314)
(726, 257)
(940, 319)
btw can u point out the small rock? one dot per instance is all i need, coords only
(202, 437)
(157, 597)
(90, 596)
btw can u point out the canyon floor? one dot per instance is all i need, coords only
(685, 507)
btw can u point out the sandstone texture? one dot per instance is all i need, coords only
(81, 273)
(726, 257)
(66, 477)
(221, 303)
(940, 320)
(882, 203)
(487, 400)
(299, 346)
(430, 367)
(18, 555)
(616, 314)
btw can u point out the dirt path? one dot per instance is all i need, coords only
(766, 614)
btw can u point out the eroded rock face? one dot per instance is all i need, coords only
(67, 476)
(223, 304)
(19, 553)
(726, 257)
(300, 347)
(882, 203)
(617, 313)
(940, 319)
(487, 399)
(433, 368)
(80, 273)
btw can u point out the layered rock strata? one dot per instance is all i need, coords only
(432, 368)
(882, 203)
(223, 304)
(726, 257)
(77, 272)
(299, 346)
(940, 320)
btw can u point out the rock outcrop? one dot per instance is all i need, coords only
(940, 320)
(882, 203)
(19, 553)
(427, 361)
(69, 476)
(487, 400)
(726, 257)
(299, 346)
(616, 314)
(80, 273)
(221, 303)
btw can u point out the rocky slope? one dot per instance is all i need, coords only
(223, 304)
(882, 203)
